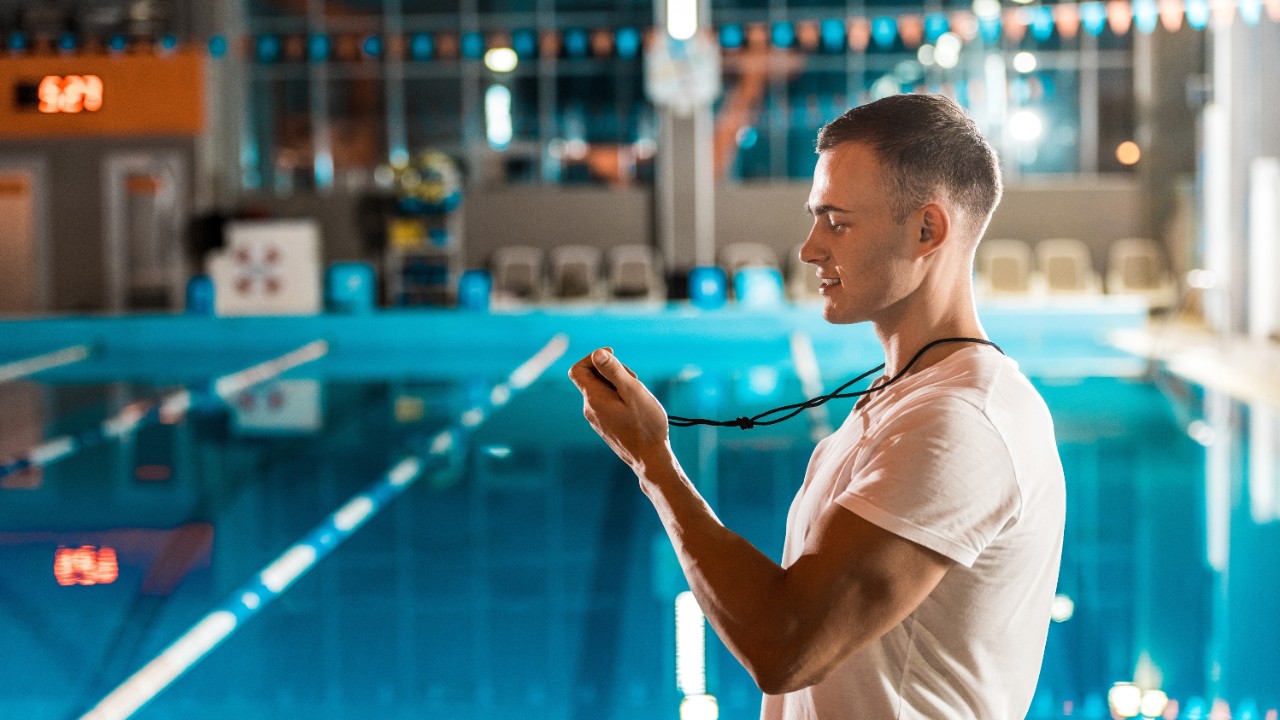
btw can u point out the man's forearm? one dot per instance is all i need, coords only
(738, 587)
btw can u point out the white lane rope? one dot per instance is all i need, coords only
(247, 600)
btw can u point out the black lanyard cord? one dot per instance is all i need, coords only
(746, 423)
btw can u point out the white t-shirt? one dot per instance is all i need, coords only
(960, 458)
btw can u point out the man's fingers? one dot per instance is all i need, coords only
(603, 367)
(587, 378)
(611, 368)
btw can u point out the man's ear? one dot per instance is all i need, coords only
(934, 223)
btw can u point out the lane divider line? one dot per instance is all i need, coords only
(170, 408)
(274, 579)
(18, 369)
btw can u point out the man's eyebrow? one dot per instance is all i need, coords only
(822, 209)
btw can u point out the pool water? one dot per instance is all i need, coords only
(523, 575)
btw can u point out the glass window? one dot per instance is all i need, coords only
(431, 7)
(346, 8)
(645, 6)
(1115, 116)
(743, 109)
(585, 118)
(1053, 96)
(274, 9)
(433, 107)
(508, 6)
(282, 156)
(357, 126)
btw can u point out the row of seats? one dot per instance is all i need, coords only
(572, 273)
(1064, 266)
(1005, 267)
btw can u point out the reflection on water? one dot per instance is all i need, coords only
(529, 578)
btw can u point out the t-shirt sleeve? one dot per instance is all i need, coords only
(939, 475)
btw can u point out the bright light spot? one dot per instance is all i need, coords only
(442, 443)
(1153, 703)
(575, 149)
(501, 59)
(288, 567)
(689, 372)
(384, 176)
(1128, 153)
(946, 51)
(1200, 279)
(497, 116)
(986, 8)
(500, 394)
(1022, 2)
(699, 707)
(353, 513)
(885, 86)
(949, 43)
(53, 450)
(251, 600)
(1026, 126)
(682, 18)
(497, 451)
(691, 660)
(409, 468)
(1024, 62)
(472, 417)
(1125, 699)
(763, 380)
(1202, 432)
(175, 406)
(1063, 608)
(926, 55)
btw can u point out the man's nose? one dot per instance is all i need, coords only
(812, 251)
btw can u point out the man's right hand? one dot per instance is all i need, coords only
(621, 409)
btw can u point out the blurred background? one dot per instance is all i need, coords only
(270, 267)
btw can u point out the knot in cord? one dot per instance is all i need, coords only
(745, 423)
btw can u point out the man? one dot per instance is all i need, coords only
(922, 550)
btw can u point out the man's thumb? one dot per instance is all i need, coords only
(608, 366)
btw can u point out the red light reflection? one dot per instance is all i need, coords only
(85, 565)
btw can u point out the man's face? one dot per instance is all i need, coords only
(863, 257)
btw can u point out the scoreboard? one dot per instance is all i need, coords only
(55, 96)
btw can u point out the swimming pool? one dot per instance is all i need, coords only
(515, 570)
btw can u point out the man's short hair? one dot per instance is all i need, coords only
(927, 145)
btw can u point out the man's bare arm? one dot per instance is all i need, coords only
(788, 626)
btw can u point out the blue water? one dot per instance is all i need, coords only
(525, 576)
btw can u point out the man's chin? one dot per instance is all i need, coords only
(835, 317)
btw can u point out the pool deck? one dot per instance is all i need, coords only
(1245, 368)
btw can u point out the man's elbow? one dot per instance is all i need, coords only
(797, 663)
(782, 672)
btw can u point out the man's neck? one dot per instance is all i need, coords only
(904, 335)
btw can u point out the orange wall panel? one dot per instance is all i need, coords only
(142, 95)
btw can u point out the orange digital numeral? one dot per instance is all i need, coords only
(70, 94)
(85, 565)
